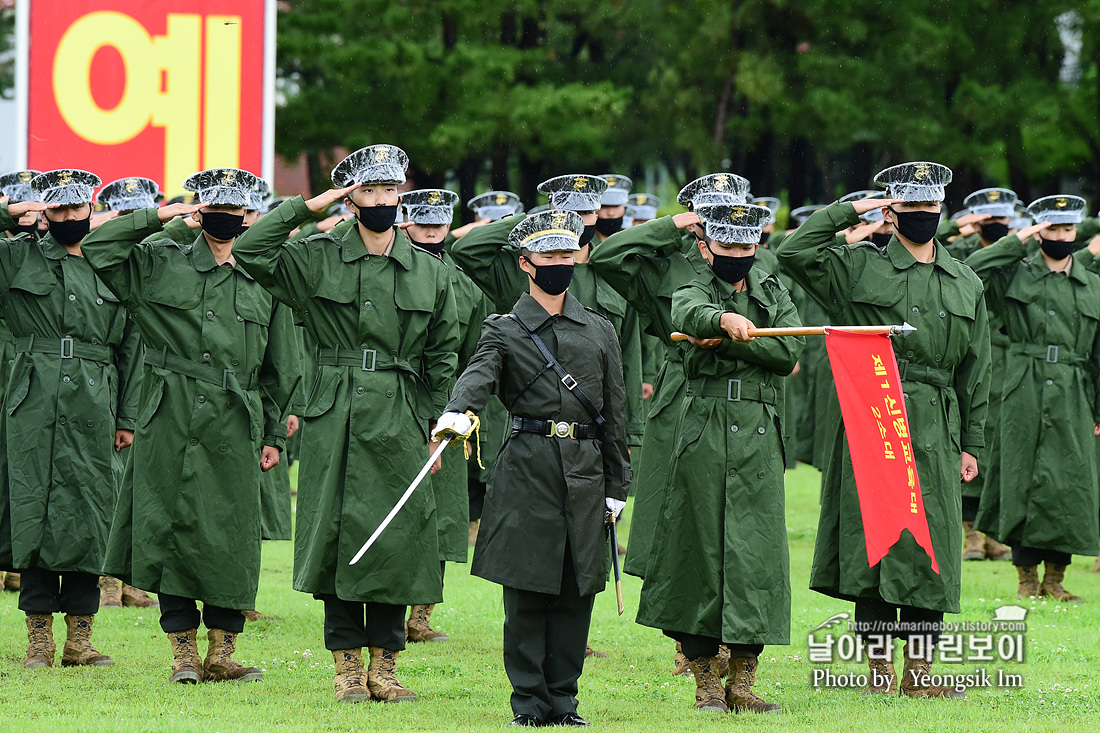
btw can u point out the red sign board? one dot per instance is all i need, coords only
(155, 89)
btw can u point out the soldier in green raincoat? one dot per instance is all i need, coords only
(220, 369)
(70, 406)
(718, 571)
(428, 215)
(945, 376)
(383, 316)
(15, 188)
(542, 534)
(1045, 506)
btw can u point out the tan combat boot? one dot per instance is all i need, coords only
(590, 652)
(709, 694)
(973, 543)
(255, 616)
(419, 628)
(723, 660)
(739, 694)
(915, 682)
(78, 651)
(219, 665)
(1052, 584)
(351, 683)
(1029, 581)
(882, 679)
(110, 592)
(382, 678)
(681, 662)
(40, 646)
(135, 598)
(11, 582)
(994, 550)
(186, 664)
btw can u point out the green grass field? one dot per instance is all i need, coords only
(462, 685)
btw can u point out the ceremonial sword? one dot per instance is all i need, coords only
(903, 330)
(448, 436)
(615, 561)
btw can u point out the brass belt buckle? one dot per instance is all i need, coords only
(564, 429)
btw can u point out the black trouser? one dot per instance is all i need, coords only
(181, 614)
(355, 625)
(1023, 557)
(876, 619)
(48, 591)
(545, 637)
(694, 646)
(970, 508)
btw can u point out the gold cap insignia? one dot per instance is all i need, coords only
(557, 219)
(642, 198)
(434, 197)
(737, 213)
(580, 183)
(1061, 203)
(994, 196)
(922, 171)
(64, 178)
(611, 181)
(721, 183)
(381, 154)
(229, 178)
(502, 199)
(25, 177)
(131, 185)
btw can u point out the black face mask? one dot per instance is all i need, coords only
(588, 233)
(68, 233)
(377, 218)
(917, 226)
(881, 239)
(552, 279)
(764, 237)
(436, 248)
(1056, 250)
(607, 227)
(992, 232)
(731, 269)
(243, 229)
(25, 229)
(222, 225)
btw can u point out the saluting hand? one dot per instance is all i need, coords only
(686, 219)
(269, 458)
(320, 203)
(861, 232)
(864, 205)
(969, 469)
(17, 210)
(1028, 232)
(171, 211)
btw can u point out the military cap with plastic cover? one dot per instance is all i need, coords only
(538, 209)
(1060, 209)
(223, 187)
(618, 190)
(716, 188)
(802, 213)
(771, 202)
(993, 201)
(734, 223)
(259, 195)
(495, 205)
(548, 231)
(915, 182)
(1021, 219)
(130, 194)
(274, 203)
(643, 206)
(372, 164)
(66, 187)
(430, 206)
(575, 192)
(17, 186)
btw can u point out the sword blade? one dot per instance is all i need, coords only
(615, 563)
(401, 502)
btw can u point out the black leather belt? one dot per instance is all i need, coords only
(555, 429)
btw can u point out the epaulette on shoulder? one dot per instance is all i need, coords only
(166, 242)
(601, 316)
(322, 236)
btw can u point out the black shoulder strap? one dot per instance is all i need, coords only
(564, 376)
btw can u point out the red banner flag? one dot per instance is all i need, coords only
(875, 421)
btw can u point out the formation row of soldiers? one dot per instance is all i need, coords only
(181, 345)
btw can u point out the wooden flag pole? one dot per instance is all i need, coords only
(903, 330)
